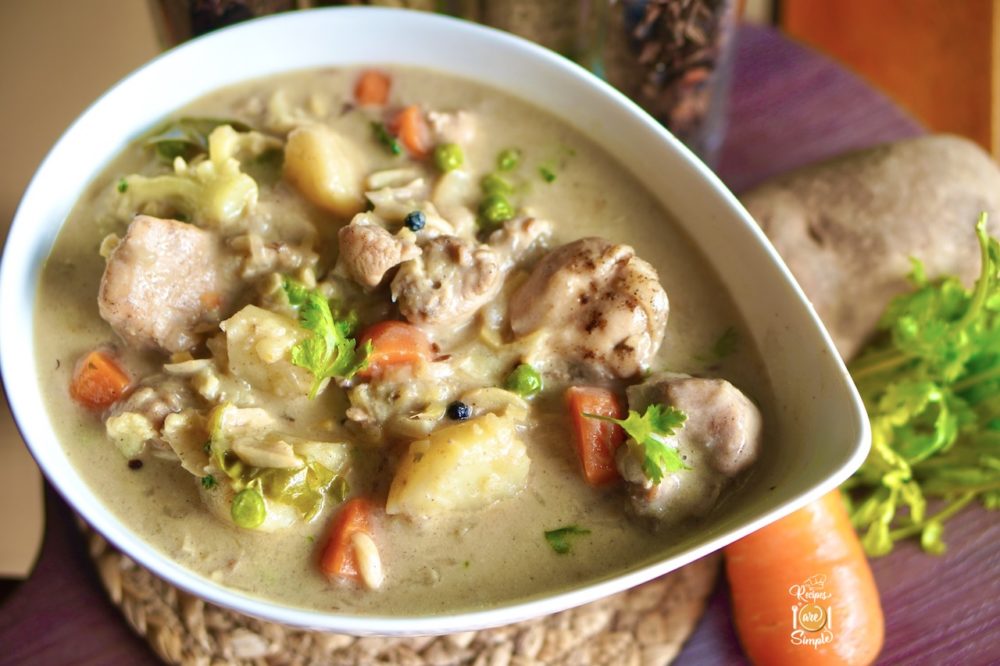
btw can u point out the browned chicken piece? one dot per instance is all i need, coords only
(601, 308)
(448, 282)
(519, 237)
(162, 282)
(455, 277)
(720, 438)
(368, 251)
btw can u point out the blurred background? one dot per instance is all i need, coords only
(939, 60)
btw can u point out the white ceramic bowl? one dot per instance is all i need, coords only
(821, 434)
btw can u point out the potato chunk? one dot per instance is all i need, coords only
(326, 168)
(259, 344)
(461, 467)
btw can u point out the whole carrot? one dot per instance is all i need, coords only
(803, 592)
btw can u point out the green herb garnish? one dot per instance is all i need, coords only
(331, 351)
(208, 482)
(931, 385)
(724, 346)
(559, 538)
(547, 174)
(646, 434)
(122, 185)
(383, 136)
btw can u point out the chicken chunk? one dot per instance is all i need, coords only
(720, 438)
(163, 280)
(453, 126)
(368, 251)
(448, 282)
(455, 277)
(599, 306)
(519, 237)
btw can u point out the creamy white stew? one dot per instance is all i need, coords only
(350, 339)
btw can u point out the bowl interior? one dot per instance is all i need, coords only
(820, 435)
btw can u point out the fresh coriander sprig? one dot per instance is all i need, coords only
(931, 385)
(330, 351)
(384, 137)
(559, 538)
(646, 438)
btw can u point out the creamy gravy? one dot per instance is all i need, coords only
(485, 558)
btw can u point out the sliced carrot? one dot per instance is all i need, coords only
(394, 343)
(372, 88)
(98, 381)
(803, 592)
(338, 559)
(596, 441)
(412, 129)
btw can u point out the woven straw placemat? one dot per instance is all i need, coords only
(644, 626)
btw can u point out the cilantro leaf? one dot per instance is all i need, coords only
(330, 351)
(724, 346)
(384, 137)
(930, 382)
(647, 433)
(559, 538)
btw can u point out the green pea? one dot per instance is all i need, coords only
(494, 184)
(508, 159)
(448, 156)
(494, 210)
(248, 509)
(524, 381)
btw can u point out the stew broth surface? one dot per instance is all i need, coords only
(455, 562)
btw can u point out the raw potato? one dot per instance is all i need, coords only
(848, 227)
(461, 467)
(326, 168)
(259, 344)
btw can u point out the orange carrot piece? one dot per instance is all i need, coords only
(412, 129)
(394, 343)
(98, 381)
(803, 592)
(372, 88)
(338, 559)
(596, 441)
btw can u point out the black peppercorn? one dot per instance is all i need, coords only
(459, 411)
(415, 221)
(135, 463)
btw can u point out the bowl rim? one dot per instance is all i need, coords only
(21, 266)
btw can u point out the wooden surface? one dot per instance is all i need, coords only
(789, 107)
(937, 59)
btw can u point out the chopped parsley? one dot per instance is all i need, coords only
(547, 174)
(122, 185)
(330, 351)
(208, 482)
(647, 433)
(724, 346)
(727, 342)
(383, 136)
(559, 538)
